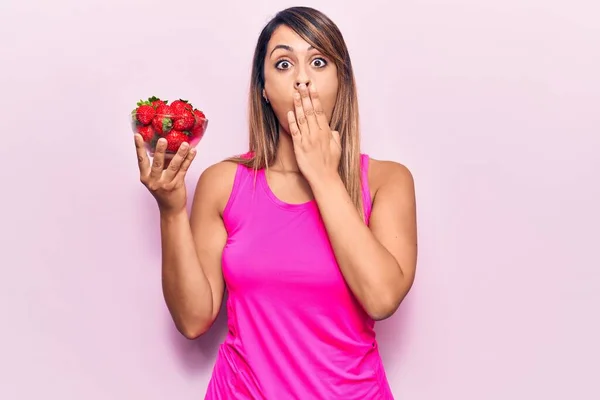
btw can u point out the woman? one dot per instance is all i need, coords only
(313, 240)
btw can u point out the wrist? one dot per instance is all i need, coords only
(325, 182)
(173, 215)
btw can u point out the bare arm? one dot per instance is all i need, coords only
(379, 262)
(192, 280)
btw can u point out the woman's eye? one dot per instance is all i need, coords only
(283, 64)
(319, 63)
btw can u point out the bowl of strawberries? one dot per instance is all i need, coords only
(178, 122)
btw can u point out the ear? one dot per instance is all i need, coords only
(264, 93)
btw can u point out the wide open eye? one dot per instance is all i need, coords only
(319, 62)
(283, 64)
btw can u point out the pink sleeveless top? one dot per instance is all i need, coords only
(295, 329)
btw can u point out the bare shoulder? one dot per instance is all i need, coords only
(385, 174)
(215, 184)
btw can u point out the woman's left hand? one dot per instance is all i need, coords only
(317, 147)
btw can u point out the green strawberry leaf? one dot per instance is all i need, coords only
(167, 124)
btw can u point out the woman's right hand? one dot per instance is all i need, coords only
(166, 184)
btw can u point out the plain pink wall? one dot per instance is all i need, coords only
(495, 107)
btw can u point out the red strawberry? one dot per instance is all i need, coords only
(163, 121)
(199, 114)
(147, 132)
(184, 120)
(174, 139)
(199, 125)
(165, 110)
(155, 102)
(179, 105)
(144, 112)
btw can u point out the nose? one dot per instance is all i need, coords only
(304, 81)
(302, 77)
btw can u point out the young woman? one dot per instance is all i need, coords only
(313, 240)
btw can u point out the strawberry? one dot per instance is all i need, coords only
(147, 132)
(199, 125)
(163, 121)
(179, 105)
(155, 102)
(184, 120)
(174, 139)
(165, 110)
(179, 122)
(144, 112)
(199, 114)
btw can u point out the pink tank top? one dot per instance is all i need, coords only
(295, 329)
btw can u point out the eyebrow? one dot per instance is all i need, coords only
(288, 48)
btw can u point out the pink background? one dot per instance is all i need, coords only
(495, 107)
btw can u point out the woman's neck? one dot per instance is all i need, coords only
(285, 160)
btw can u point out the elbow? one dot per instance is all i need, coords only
(193, 329)
(384, 305)
(191, 334)
(382, 310)
(193, 323)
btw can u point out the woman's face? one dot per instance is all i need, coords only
(291, 61)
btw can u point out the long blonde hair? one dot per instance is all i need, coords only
(322, 33)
